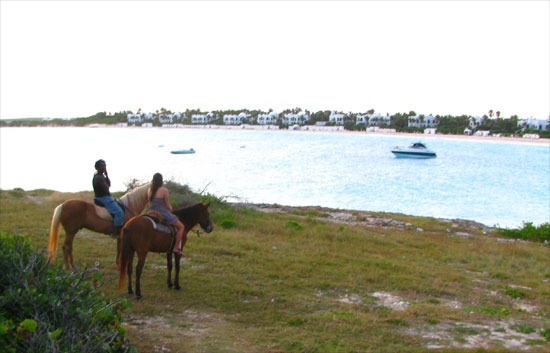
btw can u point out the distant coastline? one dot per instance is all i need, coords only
(417, 136)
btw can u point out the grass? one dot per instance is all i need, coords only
(274, 282)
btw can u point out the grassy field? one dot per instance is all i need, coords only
(282, 279)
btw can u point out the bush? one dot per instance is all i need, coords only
(46, 309)
(294, 225)
(528, 232)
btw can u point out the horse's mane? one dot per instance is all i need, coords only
(136, 196)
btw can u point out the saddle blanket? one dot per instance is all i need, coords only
(159, 227)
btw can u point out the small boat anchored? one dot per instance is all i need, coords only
(416, 150)
(189, 151)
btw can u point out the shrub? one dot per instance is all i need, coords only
(46, 309)
(528, 232)
(294, 225)
(227, 223)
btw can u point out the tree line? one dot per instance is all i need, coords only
(446, 124)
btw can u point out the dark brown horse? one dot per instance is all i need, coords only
(139, 236)
(77, 214)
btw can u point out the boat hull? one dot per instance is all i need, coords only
(183, 152)
(414, 154)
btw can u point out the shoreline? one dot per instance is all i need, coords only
(417, 136)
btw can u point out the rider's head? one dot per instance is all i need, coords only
(100, 165)
(157, 180)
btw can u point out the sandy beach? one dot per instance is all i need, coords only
(416, 136)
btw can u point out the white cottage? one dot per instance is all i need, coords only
(265, 119)
(298, 118)
(235, 119)
(202, 118)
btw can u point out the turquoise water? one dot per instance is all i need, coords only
(489, 182)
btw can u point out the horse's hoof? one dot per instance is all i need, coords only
(177, 287)
(170, 285)
(138, 297)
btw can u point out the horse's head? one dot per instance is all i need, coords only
(204, 218)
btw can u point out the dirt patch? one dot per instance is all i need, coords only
(506, 334)
(185, 331)
(391, 301)
(367, 219)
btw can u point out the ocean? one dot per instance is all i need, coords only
(494, 183)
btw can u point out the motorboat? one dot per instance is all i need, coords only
(416, 150)
(189, 151)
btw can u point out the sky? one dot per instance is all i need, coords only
(67, 59)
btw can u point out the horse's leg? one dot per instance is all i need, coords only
(139, 269)
(68, 251)
(177, 276)
(169, 267)
(129, 272)
(117, 252)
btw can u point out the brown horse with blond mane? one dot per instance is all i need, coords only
(74, 215)
(139, 235)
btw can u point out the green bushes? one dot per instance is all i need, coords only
(46, 309)
(528, 232)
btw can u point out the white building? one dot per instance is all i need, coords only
(422, 121)
(298, 118)
(476, 121)
(166, 118)
(202, 118)
(337, 118)
(362, 119)
(234, 119)
(482, 133)
(135, 118)
(430, 131)
(266, 119)
(532, 123)
(377, 119)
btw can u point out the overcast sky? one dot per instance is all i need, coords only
(76, 58)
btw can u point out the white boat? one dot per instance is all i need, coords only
(189, 151)
(416, 150)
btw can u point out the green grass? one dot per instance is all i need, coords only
(274, 282)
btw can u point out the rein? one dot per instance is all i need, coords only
(125, 207)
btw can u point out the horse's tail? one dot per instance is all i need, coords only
(125, 250)
(54, 233)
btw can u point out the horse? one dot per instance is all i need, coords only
(77, 214)
(139, 236)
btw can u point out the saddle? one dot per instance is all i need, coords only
(158, 223)
(102, 212)
(156, 220)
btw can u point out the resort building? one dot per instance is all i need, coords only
(378, 120)
(482, 133)
(265, 119)
(337, 118)
(135, 118)
(532, 123)
(476, 121)
(423, 121)
(234, 119)
(362, 119)
(202, 118)
(298, 118)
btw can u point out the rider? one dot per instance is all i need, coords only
(102, 184)
(160, 202)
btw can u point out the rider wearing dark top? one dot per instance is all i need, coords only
(101, 185)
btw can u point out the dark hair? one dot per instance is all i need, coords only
(97, 163)
(156, 183)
